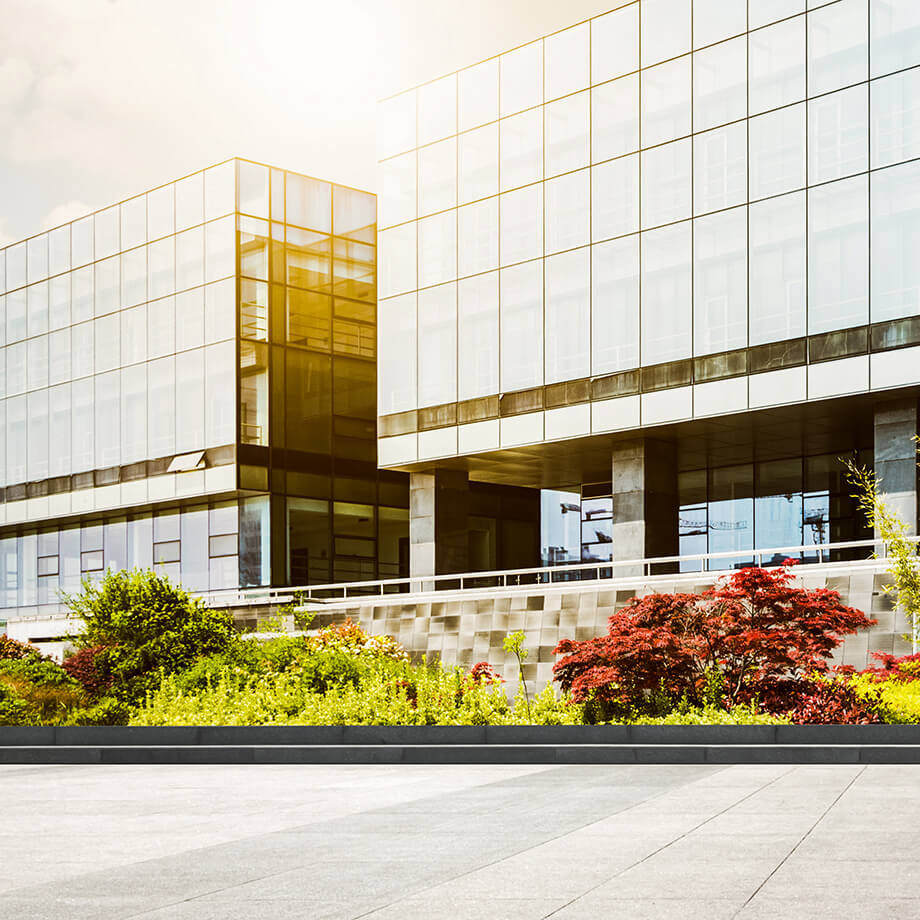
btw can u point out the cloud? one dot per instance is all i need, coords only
(64, 213)
(16, 79)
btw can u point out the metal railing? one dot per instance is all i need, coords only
(854, 552)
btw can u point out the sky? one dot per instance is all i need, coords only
(101, 99)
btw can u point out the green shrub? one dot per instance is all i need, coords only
(13, 709)
(898, 701)
(106, 712)
(713, 715)
(13, 648)
(146, 626)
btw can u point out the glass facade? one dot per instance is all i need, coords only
(198, 362)
(668, 181)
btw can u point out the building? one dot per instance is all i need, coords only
(663, 266)
(189, 386)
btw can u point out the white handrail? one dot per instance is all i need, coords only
(422, 584)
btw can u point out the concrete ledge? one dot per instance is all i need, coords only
(563, 744)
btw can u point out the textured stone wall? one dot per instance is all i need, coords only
(464, 629)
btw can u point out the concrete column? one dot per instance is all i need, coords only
(438, 522)
(896, 457)
(645, 502)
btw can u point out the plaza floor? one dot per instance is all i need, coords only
(499, 842)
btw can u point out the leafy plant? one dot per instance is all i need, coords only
(89, 667)
(13, 648)
(902, 552)
(513, 644)
(146, 625)
(753, 626)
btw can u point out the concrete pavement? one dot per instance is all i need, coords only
(506, 842)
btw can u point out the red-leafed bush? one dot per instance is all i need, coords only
(14, 649)
(905, 668)
(89, 668)
(482, 670)
(818, 701)
(753, 626)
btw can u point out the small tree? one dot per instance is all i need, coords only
(139, 624)
(752, 628)
(513, 644)
(902, 552)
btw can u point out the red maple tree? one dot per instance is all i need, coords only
(753, 628)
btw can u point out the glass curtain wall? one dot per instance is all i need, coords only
(667, 180)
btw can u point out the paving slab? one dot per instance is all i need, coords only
(518, 842)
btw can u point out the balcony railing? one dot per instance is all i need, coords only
(855, 553)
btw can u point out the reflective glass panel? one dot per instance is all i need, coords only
(478, 94)
(134, 222)
(895, 237)
(761, 12)
(161, 406)
(895, 109)
(134, 334)
(59, 356)
(107, 282)
(437, 109)
(219, 249)
(666, 183)
(615, 44)
(566, 59)
(189, 258)
(16, 315)
(397, 180)
(58, 251)
(477, 153)
(567, 205)
(568, 315)
(837, 46)
(161, 268)
(107, 232)
(838, 134)
(666, 109)
(567, 125)
(720, 307)
(615, 198)
(615, 305)
(161, 212)
(777, 268)
(219, 190)
(108, 419)
(522, 224)
(107, 334)
(521, 80)
(253, 189)
(396, 381)
(161, 327)
(714, 20)
(220, 395)
(477, 237)
(190, 406)
(665, 29)
(397, 260)
(838, 255)
(190, 201)
(437, 248)
(134, 276)
(37, 299)
(437, 345)
(522, 326)
(477, 321)
(720, 168)
(437, 177)
(777, 65)
(522, 149)
(134, 413)
(396, 121)
(615, 119)
(189, 319)
(777, 151)
(38, 258)
(720, 83)
(81, 340)
(81, 244)
(894, 29)
(667, 293)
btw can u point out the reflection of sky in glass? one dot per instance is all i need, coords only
(560, 526)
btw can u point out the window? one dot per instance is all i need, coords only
(477, 237)
(477, 321)
(220, 190)
(521, 78)
(777, 268)
(309, 203)
(894, 35)
(522, 149)
(219, 394)
(568, 315)
(895, 107)
(838, 255)
(437, 248)
(666, 108)
(720, 168)
(566, 57)
(777, 151)
(437, 345)
(478, 163)
(396, 118)
(161, 216)
(477, 90)
(714, 20)
(397, 363)
(437, 110)
(253, 189)
(720, 83)
(615, 198)
(568, 211)
(397, 179)
(522, 326)
(666, 183)
(720, 281)
(665, 31)
(837, 46)
(397, 260)
(567, 134)
(667, 293)
(838, 134)
(615, 122)
(615, 44)
(615, 305)
(190, 201)
(522, 224)
(106, 233)
(437, 177)
(777, 65)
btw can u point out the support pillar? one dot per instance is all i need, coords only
(438, 522)
(896, 457)
(645, 500)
